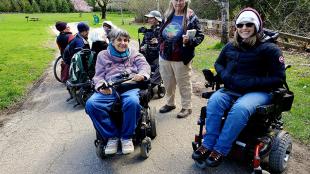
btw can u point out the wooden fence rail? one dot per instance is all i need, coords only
(285, 39)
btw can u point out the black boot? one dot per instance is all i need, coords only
(201, 153)
(214, 159)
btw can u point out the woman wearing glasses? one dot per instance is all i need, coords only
(249, 66)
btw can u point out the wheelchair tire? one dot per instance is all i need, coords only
(100, 149)
(152, 132)
(201, 164)
(57, 69)
(146, 146)
(161, 92)
(83, 96)
(280, 152)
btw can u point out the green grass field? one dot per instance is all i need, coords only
(28, 48)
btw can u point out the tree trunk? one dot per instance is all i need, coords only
(225, 19)
(103, 11)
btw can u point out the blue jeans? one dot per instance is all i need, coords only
(239, 108)
(99, 105)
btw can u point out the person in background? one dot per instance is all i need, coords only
(99, 41)
(111, 63)
(79, 42)
(150, 45)
(81, 39)
(107, 27)
(176, 53)
(250, 67)
(63, 39)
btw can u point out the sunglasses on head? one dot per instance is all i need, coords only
(247, 25)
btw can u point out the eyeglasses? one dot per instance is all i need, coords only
(247, 25)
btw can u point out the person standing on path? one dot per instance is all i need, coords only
(177, 49)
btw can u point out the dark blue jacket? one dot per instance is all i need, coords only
(259, 68)
(151, 51)
(187, 52)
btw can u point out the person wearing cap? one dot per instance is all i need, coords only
(149, 45)
(107, 27)
(81, 39)
(63, 39)
(79, 42)
(249, 67)
(177, 50)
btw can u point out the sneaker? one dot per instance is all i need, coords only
(127, 146)
(166, 108)
(184, 113)
(111, 147)
(214, 159)
(201, 153)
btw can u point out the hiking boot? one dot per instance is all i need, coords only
(166, 108)
(111, 147)
(201, 153)
(184, 113)
(127, 146)
(214, 159)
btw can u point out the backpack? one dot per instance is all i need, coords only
(82, 67)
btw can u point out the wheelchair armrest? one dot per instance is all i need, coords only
(283, 99)
(265, 109)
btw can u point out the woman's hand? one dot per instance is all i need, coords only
(138, 77)
(106, 91)
(185, 39)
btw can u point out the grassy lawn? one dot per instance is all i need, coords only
(28, 48)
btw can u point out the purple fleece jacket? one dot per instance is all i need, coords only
(108, 66)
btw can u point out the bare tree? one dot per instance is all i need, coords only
(103, 5)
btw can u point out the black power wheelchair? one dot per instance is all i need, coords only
(151, 54)
(82, 70)
(263, 140)
(146, 127)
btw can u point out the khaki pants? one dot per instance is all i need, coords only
(176, 73)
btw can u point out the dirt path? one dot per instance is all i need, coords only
(47, 135)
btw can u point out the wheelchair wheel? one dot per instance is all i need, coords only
(57, 69)
(280, 153)
(100, 147)
(161, 92)
(201, 164)
(145, 147)
(83, 95)
(153, 132)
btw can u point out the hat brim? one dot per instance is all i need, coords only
(151, 16)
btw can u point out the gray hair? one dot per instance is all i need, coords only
(116, 33)
(170, 11)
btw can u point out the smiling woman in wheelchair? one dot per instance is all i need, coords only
(250, 67)
(117, 59)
